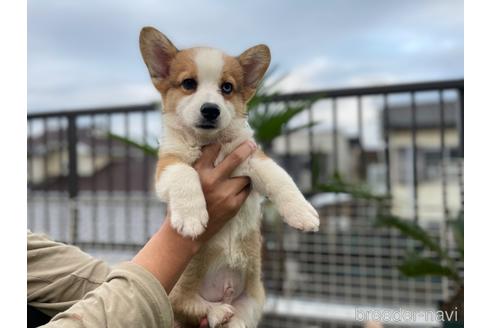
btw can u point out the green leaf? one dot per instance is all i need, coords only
(458, 228)
(268, 124)
(413, 231)
(416, 266)
(145, 148)
(359, 191)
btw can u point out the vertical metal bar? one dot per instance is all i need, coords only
(46, 179)
(442, 139)
(335, 154)
(288, 157)
(335, 135)
(386, 127)
(31, 178)
(461, 184)
(378, 265)
(73, 178)
(127, 181)
(111, 166)
(414, 158)
(393, 271)
(461, 122)
(461, 132)
(94, 207)
(444, 228)
(145, 178)
(312, 159)
(360, 133)
(62, 223)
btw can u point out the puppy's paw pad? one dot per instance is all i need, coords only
(220, 315)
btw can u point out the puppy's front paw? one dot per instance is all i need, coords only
(219, 315)
(300, 215)
(236, 323)
(189, 223)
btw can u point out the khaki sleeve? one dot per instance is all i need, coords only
(126, 296)
(130, 297)
(58, 275)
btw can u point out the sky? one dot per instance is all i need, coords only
(85, 53)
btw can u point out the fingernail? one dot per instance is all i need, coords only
(252, 145)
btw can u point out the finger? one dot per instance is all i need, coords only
(237, 184)
(241, 196)
(234, 159)
(208, 157)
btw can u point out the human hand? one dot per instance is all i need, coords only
(224, 195)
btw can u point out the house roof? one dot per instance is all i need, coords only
(55, 140)
(427, 116)
(124, 167)
(132, 174)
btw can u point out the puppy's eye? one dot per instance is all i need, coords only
(226, 87)
(189, 84)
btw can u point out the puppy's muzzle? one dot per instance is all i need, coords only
(210, 112)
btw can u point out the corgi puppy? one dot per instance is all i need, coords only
(204, 94)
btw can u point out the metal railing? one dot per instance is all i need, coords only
(90, 189)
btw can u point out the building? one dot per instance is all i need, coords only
(438, 170)
(103, 163)
(293, 152)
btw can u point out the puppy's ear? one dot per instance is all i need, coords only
(157, 52)
(254, 62)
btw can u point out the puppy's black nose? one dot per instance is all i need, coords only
(210, 111)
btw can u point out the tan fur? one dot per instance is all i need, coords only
(182, 67)
(254, 73)
(165, 161)
(260, 154)
(233, 73)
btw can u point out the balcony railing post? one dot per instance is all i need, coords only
(313, 165)
(461, 122)
(73, 178)
(415, 177)
(386, 128)
(461, 136)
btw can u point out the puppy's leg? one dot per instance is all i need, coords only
(219, 314)
(190, 309)
(248, 307)
(272, 181)
(178, 184)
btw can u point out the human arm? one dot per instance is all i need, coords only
(81, 291)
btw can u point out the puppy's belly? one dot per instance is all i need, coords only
(223, 285)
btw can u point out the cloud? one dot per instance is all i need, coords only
(86, 52)
(92, 97)
(305, 77)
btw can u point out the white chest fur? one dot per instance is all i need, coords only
(248, 217)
